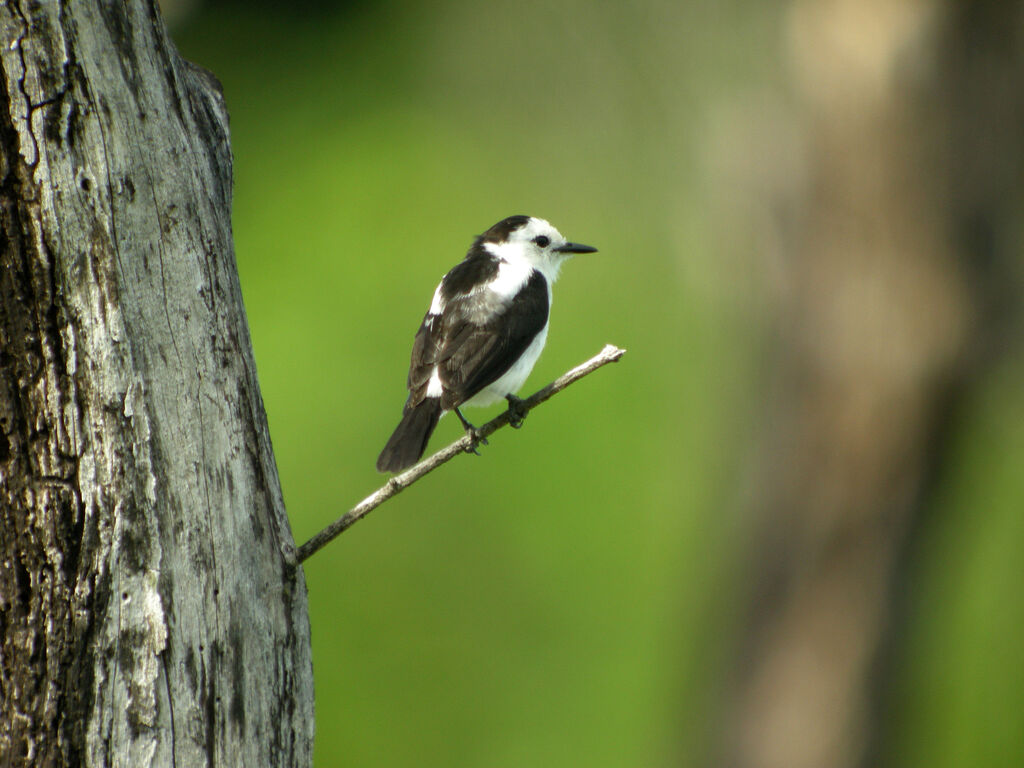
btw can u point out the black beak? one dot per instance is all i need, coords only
(575, 248)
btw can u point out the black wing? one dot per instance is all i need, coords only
(477, 337)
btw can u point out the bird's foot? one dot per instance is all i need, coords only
(516, 411)
(474, 434)
(475, 441)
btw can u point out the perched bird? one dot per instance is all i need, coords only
(485, 329)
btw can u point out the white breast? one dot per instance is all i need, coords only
(513, 379)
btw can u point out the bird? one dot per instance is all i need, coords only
(485, 328)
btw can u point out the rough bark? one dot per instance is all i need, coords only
(150, 609)
(900, 251)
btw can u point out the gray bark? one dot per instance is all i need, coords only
(150, 609)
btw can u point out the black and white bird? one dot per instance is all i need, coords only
(485, 329)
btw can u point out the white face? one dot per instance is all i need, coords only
(539, 238)
(534, 243)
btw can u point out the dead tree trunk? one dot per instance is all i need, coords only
(150, 609)
(898, 256)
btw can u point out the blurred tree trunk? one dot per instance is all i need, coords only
(150, 609)
(900, 258)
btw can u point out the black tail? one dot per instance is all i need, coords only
(409, 441)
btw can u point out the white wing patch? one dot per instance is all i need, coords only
(437, 305)
(434, 386)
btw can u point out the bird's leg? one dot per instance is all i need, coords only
(473, 433)
(516, 411)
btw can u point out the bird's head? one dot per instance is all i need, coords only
(533, 241)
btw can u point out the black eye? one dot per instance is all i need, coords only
(542, 240)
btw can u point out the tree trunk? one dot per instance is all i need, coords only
(900, 253)
(152, 612)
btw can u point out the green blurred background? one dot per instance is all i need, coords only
(571, 597)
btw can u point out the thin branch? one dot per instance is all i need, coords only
(400, 482)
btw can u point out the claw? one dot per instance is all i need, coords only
(516, 411)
